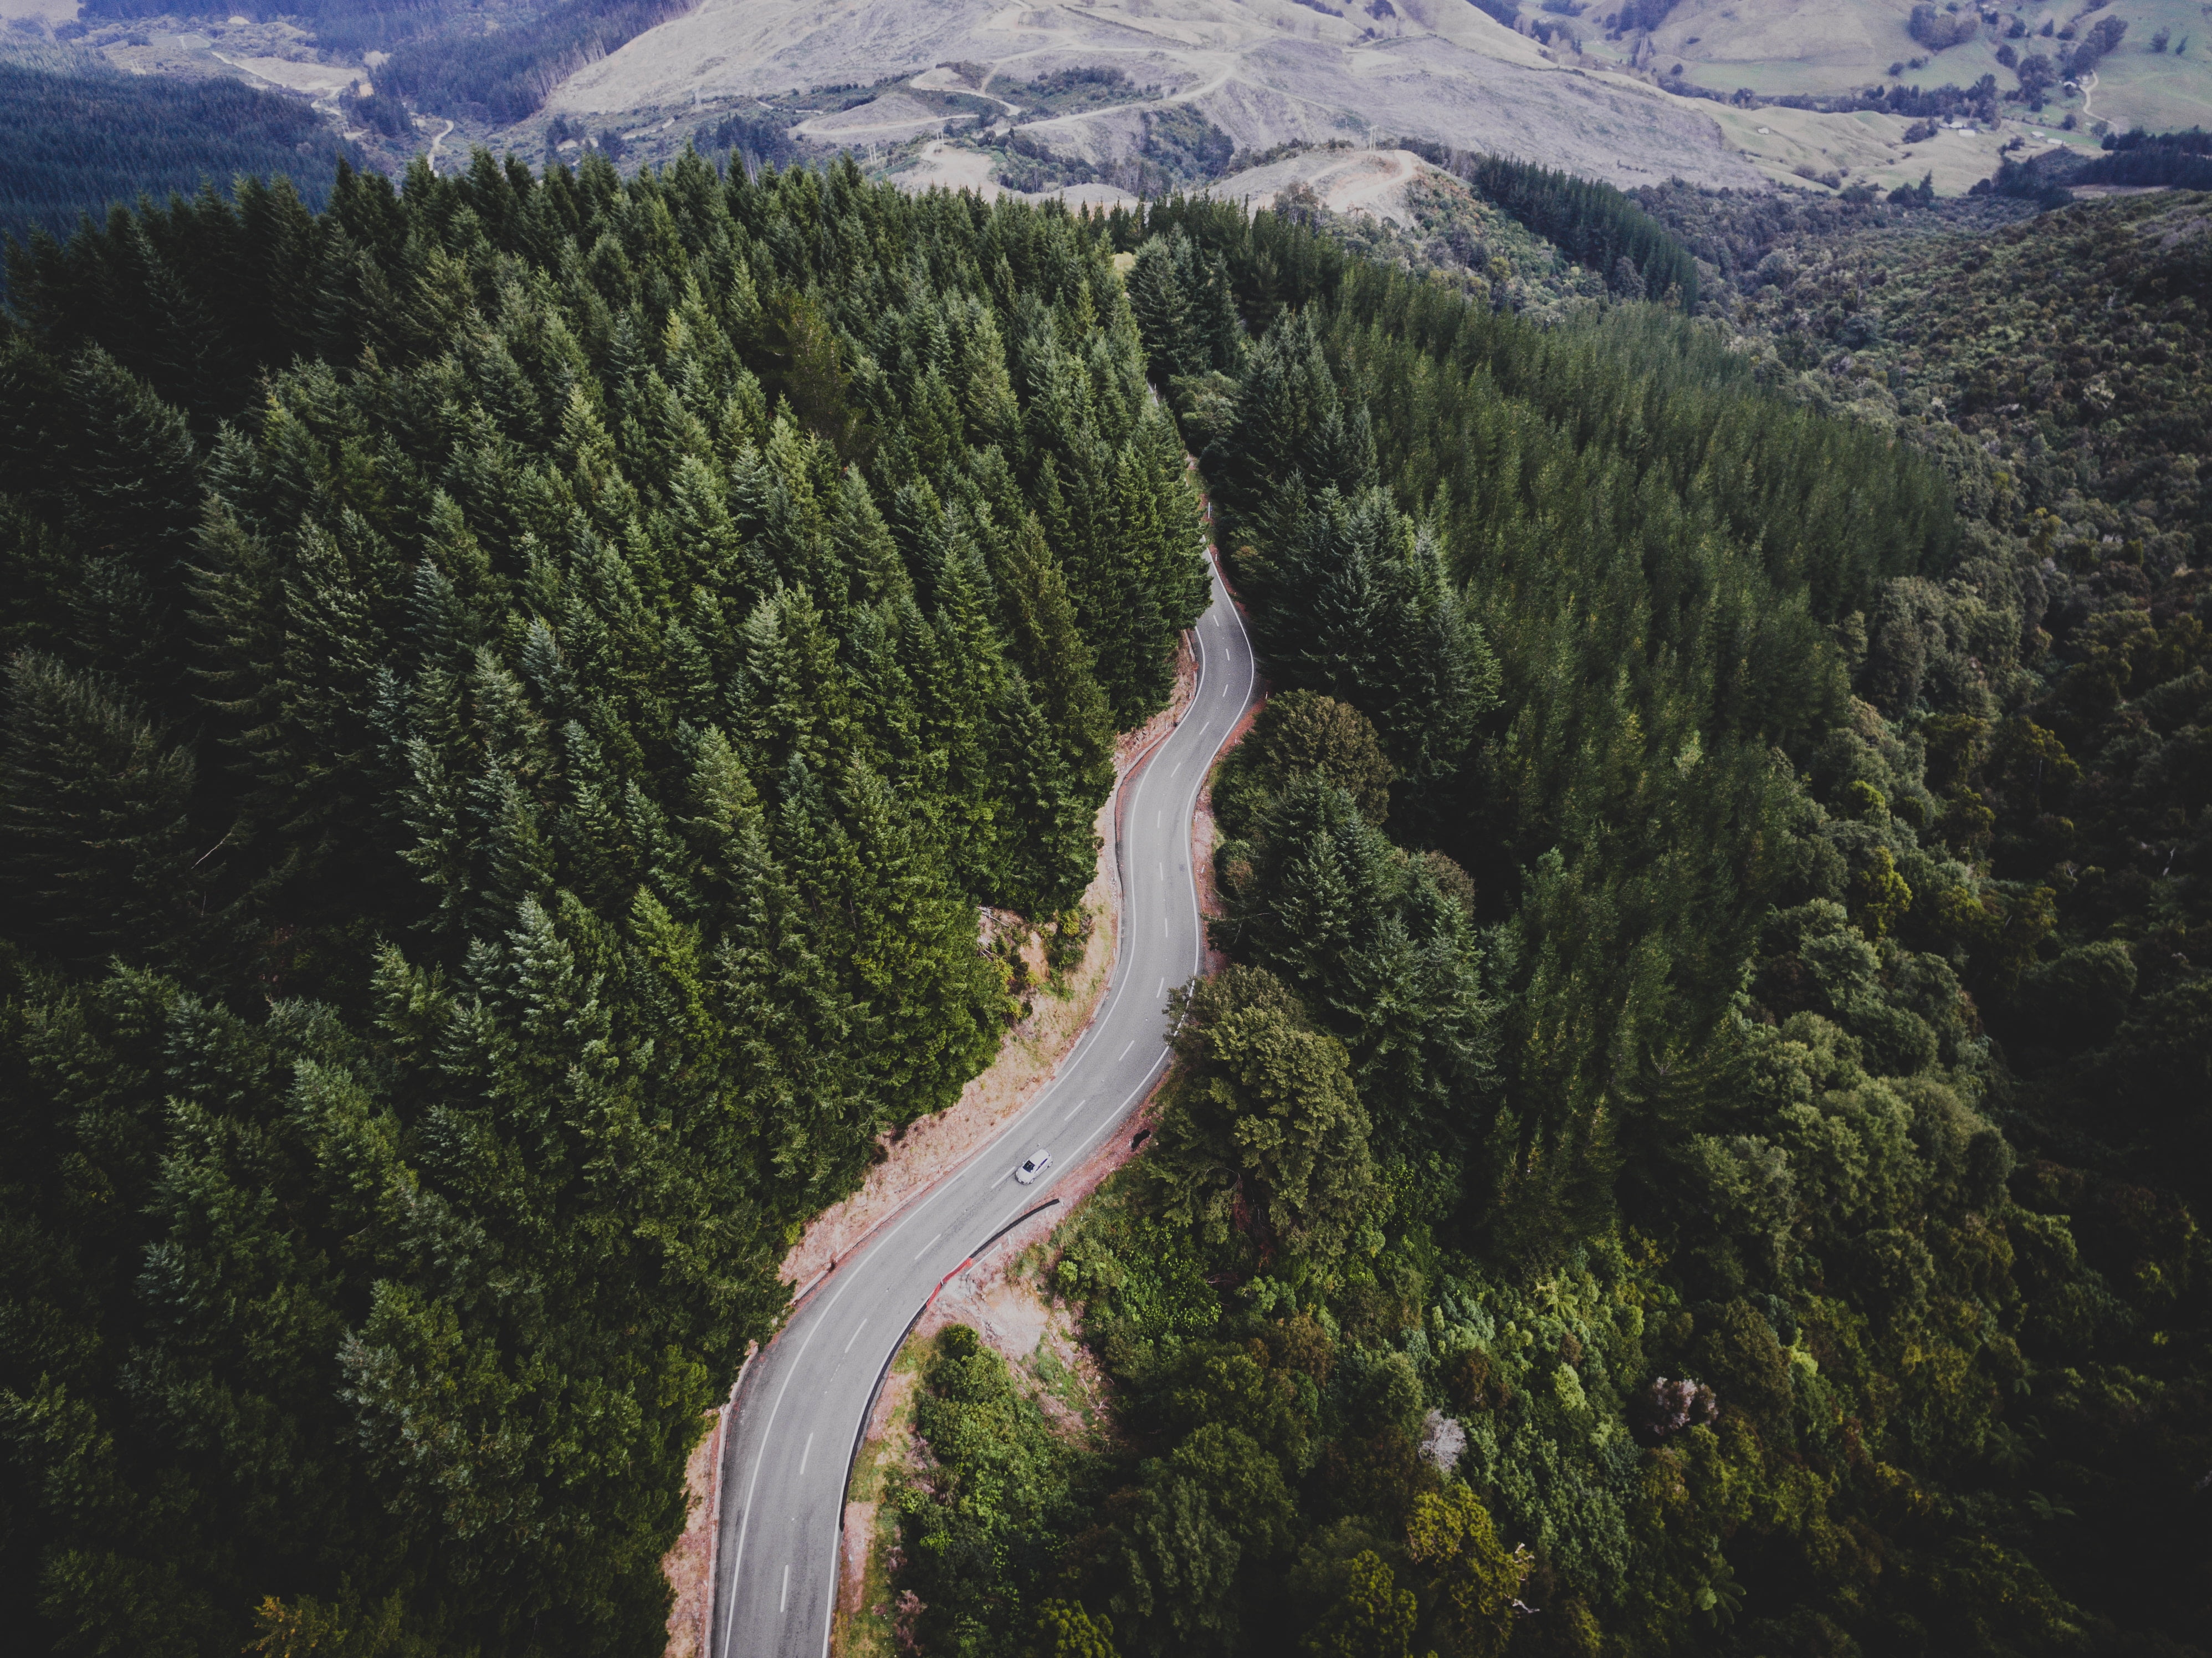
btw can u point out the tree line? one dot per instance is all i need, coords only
(1591, 222)
(505, 76)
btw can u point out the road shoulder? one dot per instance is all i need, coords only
(1028, 1056)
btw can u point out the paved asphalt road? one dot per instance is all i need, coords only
(783, 1469)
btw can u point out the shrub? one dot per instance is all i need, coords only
(1939, 31)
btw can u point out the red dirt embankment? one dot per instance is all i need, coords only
(1028, 1057)
(1013, 1312)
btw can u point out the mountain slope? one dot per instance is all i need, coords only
(1266, 72)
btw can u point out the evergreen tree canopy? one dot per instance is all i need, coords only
(518, 690)
(1582, 583)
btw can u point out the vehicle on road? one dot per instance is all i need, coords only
(1040, 1160)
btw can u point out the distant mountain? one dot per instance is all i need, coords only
(1264, 72)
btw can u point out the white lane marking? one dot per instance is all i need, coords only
(744, 1524)
(784, 1599)
(805, 1452)
(1113, 1122)
(829, 1606)
(1124, 1054)
(752, 1485)
(855, 1336)
(798, 1363)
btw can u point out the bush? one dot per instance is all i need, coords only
(1939, 31)
(1300, 734)
(2101, 42)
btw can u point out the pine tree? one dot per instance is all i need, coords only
(1265, 1105)
(134, 494)
(1044, 640)
(1160, 299)
(1290, 440)
(1049, 850)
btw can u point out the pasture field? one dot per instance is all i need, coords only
(1779, 47)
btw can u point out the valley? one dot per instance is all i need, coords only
(1165, 828)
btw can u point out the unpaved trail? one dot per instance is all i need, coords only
(1372, 181)
(1370, 191)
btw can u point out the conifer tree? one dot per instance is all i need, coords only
(1264, 1106)
(1160, 299)
(549, 668)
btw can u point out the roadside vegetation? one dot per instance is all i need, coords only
(1699, 1147)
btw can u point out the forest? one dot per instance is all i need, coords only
(71, 144)
(519, 686)
(490, 60)
(1699, 1146)
(518, 689)
(342, 25)
(2137, 160)
(1592, 223)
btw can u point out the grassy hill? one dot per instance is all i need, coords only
(1784, 47)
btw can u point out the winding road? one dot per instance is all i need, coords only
(803, 1398)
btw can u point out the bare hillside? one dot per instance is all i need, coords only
(1265, 71)
(1371, 181)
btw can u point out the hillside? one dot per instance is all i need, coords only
(2057, 365)
(1158, 93)
(75, 136)
(555, 704)
(1825, 47)
(1698, 1148)
(1265, 73)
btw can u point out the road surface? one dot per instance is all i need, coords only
(784, 1461)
